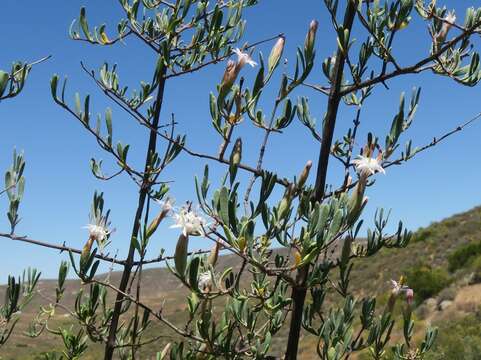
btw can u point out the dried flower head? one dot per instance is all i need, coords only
(205, 282)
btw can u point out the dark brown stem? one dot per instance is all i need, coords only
(351, 147)
(298, 298)
(110, 346)
(299, 291)
(335, 97)
(138, 271)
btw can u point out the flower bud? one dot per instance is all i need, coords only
(285, 203)
(304, 174)
(86, 249)
(236, 156)
(156, 222)
(214, 254)
(276, 53)
(311, 36)
(235, 159)
(242, 243)
(409, 296)
(180, 256)
(230, 75)
(283, 208)
(357, 201)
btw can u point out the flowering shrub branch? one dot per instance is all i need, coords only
(297, 238)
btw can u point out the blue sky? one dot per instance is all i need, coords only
(434, 185)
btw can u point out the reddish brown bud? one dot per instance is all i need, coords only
(311, 35)
(230, 75)
(86, 249)
(214, 254)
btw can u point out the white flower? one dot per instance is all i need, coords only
(450, 17)
(449, 21)
(189, 222)
(396, 287)
(205, 282)
(167, 205)
(366, 166)
(244, 58)
(99, 230)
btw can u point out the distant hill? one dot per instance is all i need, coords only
(450, 300)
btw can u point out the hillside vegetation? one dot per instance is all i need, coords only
(442, 265)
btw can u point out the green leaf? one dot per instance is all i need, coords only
(4, 77)
(224, 205)
(336, 223)
(78, 107)
(108, 123)
(53, 86)
(180, 256)
(84, 24)
(194, 272)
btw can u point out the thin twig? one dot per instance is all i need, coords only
(434, 142)
(415, 68)
(65, 248)
(218, 59)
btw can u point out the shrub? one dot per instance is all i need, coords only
(422, 234)
(463, 255)
(451, 223)
(427, 281)
(308, 216)
(458, 340)
(476, 270)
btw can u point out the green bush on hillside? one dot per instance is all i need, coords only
(463, 255)
(422, 234)
(476, 270)
(458, 340)
(427, 281)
